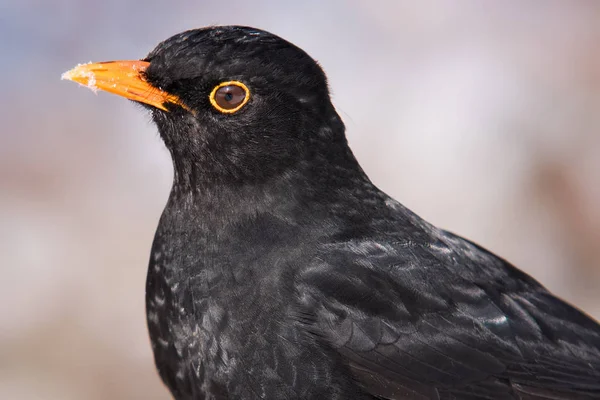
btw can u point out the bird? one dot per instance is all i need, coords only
(278, 269)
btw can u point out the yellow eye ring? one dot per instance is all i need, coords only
(228, 97)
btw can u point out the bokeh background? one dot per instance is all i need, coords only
(483, 117)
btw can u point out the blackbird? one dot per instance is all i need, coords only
(279, 271)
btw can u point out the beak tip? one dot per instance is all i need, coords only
(68, 76)
(81, 75)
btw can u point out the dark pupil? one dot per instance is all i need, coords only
(228, 96)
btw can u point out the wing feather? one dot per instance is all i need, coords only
(451, 322)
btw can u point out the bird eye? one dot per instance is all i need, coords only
(229, 97)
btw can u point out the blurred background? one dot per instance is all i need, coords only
(483, 117)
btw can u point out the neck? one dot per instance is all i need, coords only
(312, 184)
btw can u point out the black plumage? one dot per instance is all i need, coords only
(279, 271)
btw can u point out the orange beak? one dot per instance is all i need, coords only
(124, 78)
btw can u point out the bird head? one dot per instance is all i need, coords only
(232, 104)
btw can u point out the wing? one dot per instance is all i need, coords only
(448, 320)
